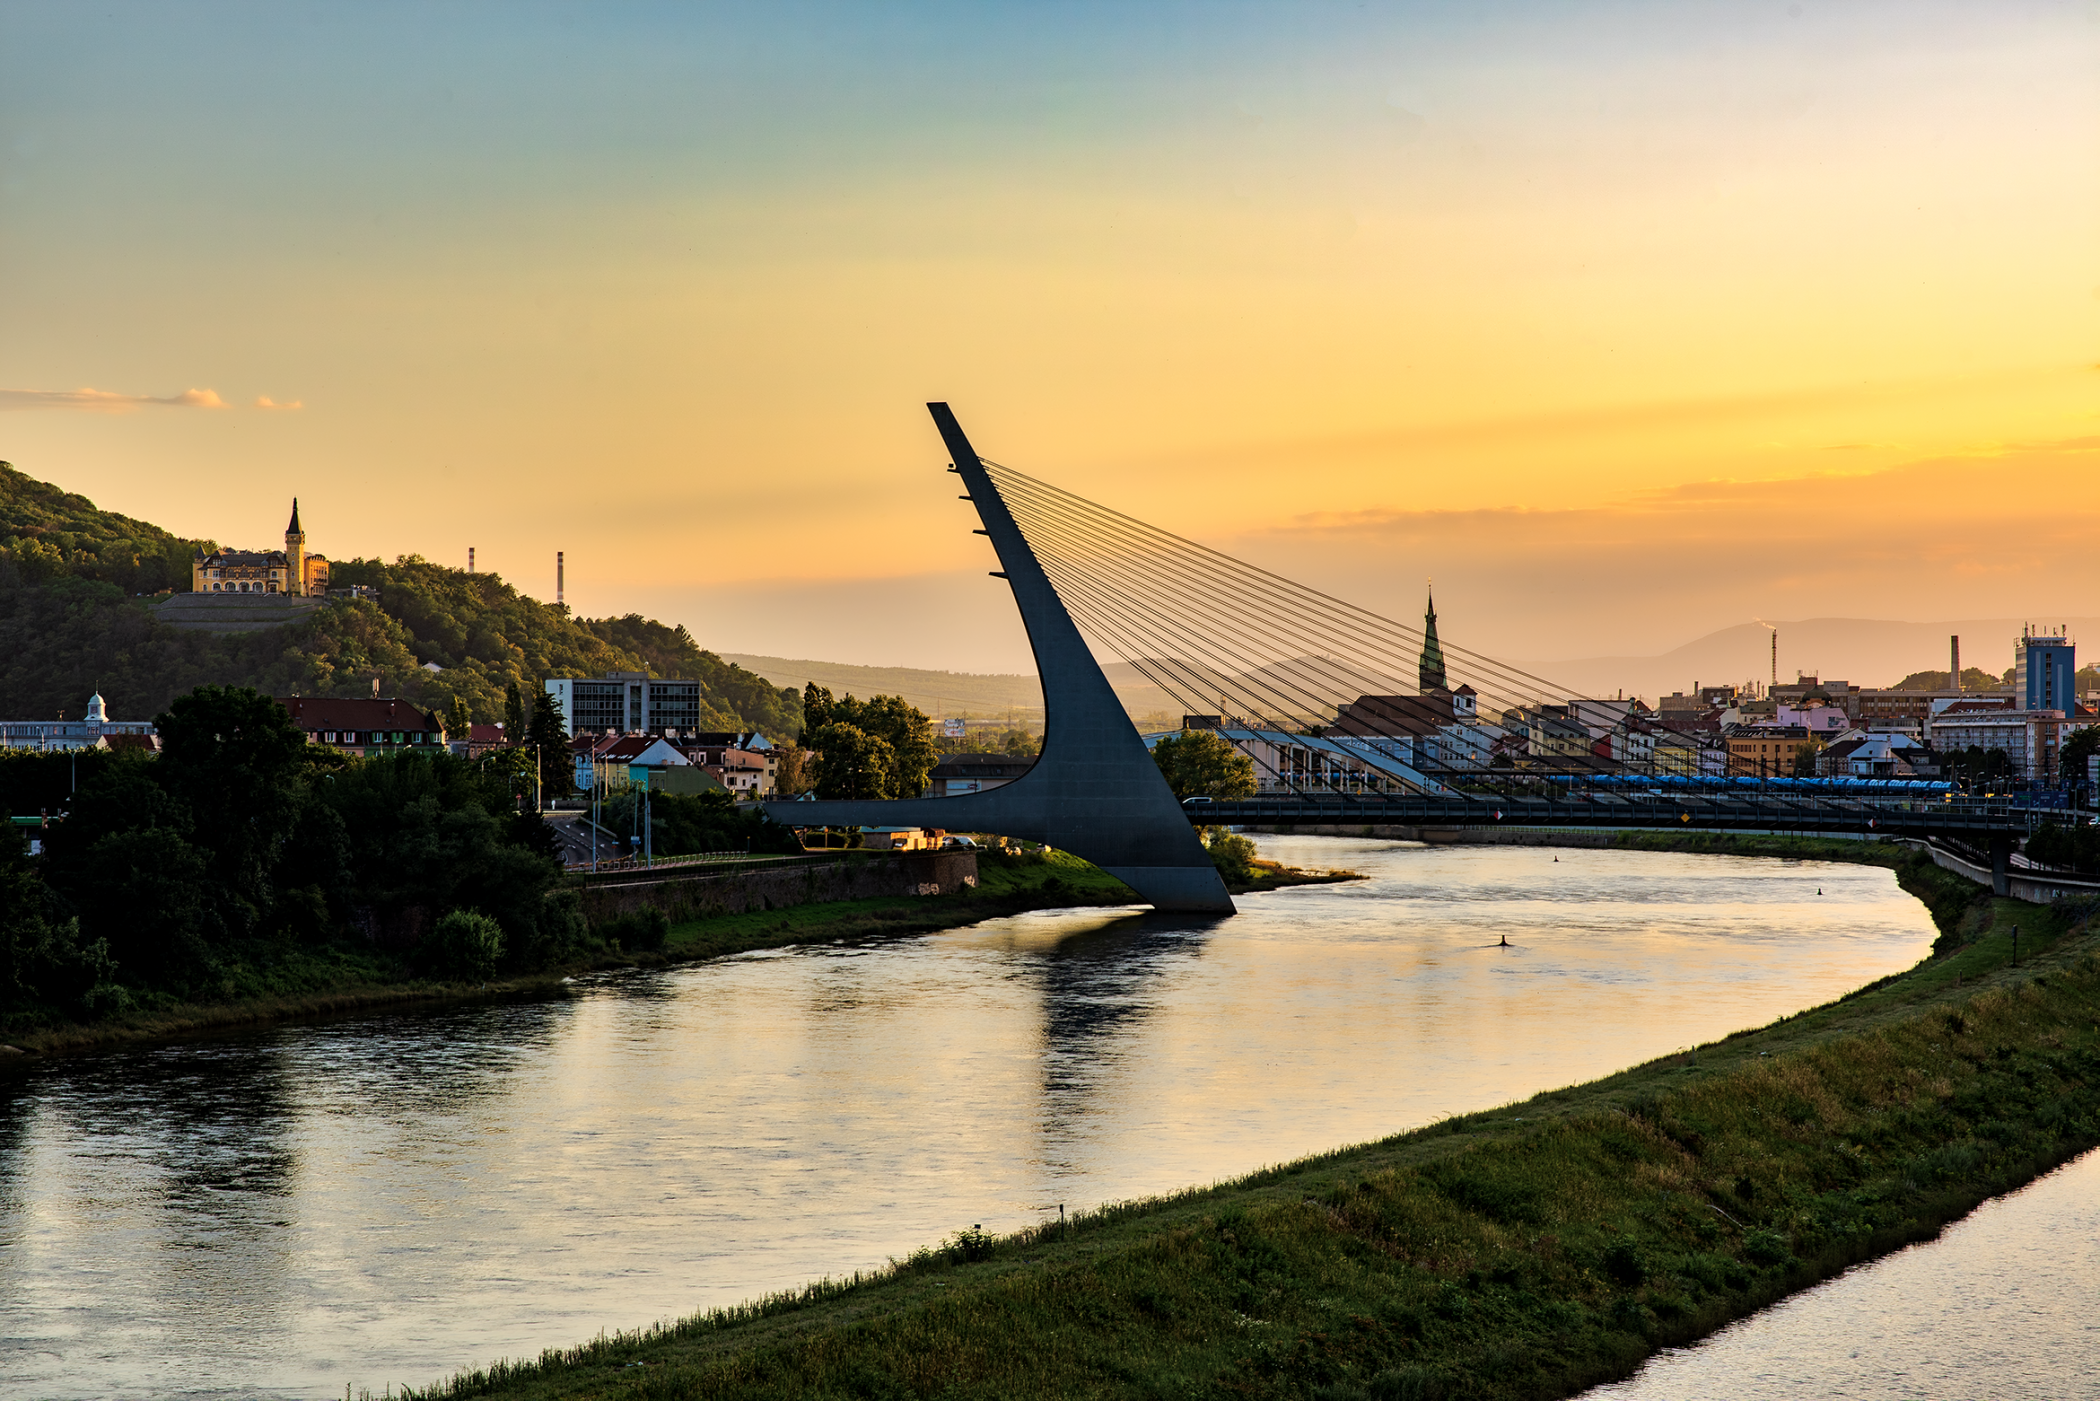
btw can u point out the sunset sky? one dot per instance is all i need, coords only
(1627, 322)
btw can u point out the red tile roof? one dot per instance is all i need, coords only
(312, 713)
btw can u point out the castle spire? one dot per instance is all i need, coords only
(293, 528)
(1431, 672)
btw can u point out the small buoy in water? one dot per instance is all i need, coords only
(1556, 858)
(1505, 941)
(1819, 890)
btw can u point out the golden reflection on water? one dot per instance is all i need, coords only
(388, 1198)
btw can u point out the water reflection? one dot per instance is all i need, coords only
(386, 1198)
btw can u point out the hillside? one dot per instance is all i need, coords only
(988, 696)
(48, 533)
(1003, 697)
(70, 624)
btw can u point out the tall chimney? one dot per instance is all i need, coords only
(557, 578)
(470, 559)
(1954, 646)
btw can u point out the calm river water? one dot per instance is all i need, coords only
(388, 1198)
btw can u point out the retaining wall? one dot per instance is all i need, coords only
(685, 895)
(2035, 887)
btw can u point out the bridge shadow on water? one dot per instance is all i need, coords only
(1099, 988)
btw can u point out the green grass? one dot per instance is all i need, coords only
(1524, 1252)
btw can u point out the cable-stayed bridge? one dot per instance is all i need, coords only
(1345, 710)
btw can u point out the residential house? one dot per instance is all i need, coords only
(1821, 718)
(1677, 753)
(1764, 751)
(618, 762)
(1876, 754)
(365, 725)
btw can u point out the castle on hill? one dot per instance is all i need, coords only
(290, 570)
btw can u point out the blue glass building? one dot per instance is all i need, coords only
(2043, 667)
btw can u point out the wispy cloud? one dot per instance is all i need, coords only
(106, 401)
(264, 401)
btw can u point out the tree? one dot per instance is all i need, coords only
(234, 759)
(851, 763)
(2071, 759)
(465, 945)
(514, 723)
(903, 728)
(43, 961)
(1202, 763)
(550, 737)
(459, 721)
(2077, 848)
(1805, 760)
(791, 770)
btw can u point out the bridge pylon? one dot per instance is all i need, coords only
(1094, 789)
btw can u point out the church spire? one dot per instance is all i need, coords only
(1431, 672)
(293, 528)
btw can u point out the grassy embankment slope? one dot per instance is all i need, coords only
(1525, 1252)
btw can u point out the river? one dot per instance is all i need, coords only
(390, 1197)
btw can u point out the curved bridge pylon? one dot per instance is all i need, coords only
(1094, 790)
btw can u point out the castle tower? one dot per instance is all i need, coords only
(1431, 671)
(295, 553)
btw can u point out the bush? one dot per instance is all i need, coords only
(643, 929)
(465, 945)
(1232, 854)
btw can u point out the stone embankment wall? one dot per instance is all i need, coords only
(2035, 887)
(685, 894)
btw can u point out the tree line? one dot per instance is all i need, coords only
(243, 860)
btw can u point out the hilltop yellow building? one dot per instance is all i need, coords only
(290, 570)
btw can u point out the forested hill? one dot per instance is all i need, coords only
(71, 623)
(47, 533)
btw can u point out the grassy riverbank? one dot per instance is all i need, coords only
(1525, 1252)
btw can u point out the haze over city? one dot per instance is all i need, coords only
(1627, 322)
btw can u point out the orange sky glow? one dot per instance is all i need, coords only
(1626, 322)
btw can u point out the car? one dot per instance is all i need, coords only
(1199, 798)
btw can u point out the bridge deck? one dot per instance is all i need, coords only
(1684, 812)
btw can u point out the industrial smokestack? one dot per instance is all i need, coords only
(557, 578)
(470, 559)
(1954, 662)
